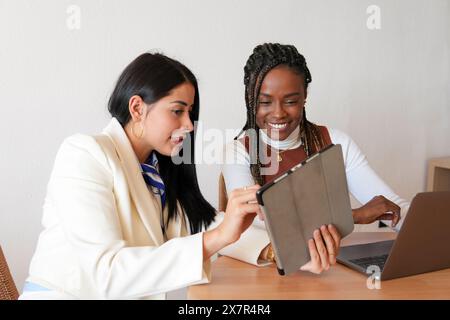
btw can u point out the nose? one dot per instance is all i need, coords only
(279, 111)
(187, 123)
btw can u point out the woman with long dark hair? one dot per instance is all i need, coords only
(121, 219)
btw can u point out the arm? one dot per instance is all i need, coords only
(250, 245)
(236, 173)
(240, 212)
(365, 185)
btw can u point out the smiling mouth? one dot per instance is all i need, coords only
(277, 126)
(177, 140)
(178, 136)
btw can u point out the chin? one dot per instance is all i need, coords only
(165, 151)
(278, 135)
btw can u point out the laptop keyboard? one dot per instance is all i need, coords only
(370, 261)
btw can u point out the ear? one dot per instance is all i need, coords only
(136, 108)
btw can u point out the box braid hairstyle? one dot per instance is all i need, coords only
(264, 58)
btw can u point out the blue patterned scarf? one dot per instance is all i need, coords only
(153, 179)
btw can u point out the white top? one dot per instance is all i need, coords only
(363, 183)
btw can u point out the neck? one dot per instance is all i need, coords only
(292, 141)
(141, 150)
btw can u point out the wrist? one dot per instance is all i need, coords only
(211, 243)
(222, 236)
(215, 239)
(356, 216)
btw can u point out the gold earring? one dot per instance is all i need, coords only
(142, 131)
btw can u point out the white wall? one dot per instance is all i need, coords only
(387, 88)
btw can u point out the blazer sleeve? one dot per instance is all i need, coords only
(81, 189)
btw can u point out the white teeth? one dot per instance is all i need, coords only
(278, 125)
(177, 139)
(179, 135)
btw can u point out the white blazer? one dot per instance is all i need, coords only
(102, 235)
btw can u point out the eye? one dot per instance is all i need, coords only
(178, 112)
(291, 102)
(265, 103)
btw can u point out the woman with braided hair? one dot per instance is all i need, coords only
(276, 82)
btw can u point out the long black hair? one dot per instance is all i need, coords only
(152, 77)
(264, 58)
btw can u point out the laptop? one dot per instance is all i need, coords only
(307, 196)
(422, 244)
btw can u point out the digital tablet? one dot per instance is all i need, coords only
(307, 196)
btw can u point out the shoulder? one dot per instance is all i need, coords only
(235, 152)
(339, 137)
(82, 144)
(82, 154)
(353, 156)
(236, 145)
(337, 134)
(80, 141)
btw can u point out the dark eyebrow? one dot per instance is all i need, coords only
(180, 102)
(292, 94)
(286, 96)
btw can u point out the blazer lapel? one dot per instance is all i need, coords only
(146, 205)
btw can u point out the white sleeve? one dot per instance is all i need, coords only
(236, 167)
(81, 188)
(236, 173)
(249, 246)
(363, 182)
